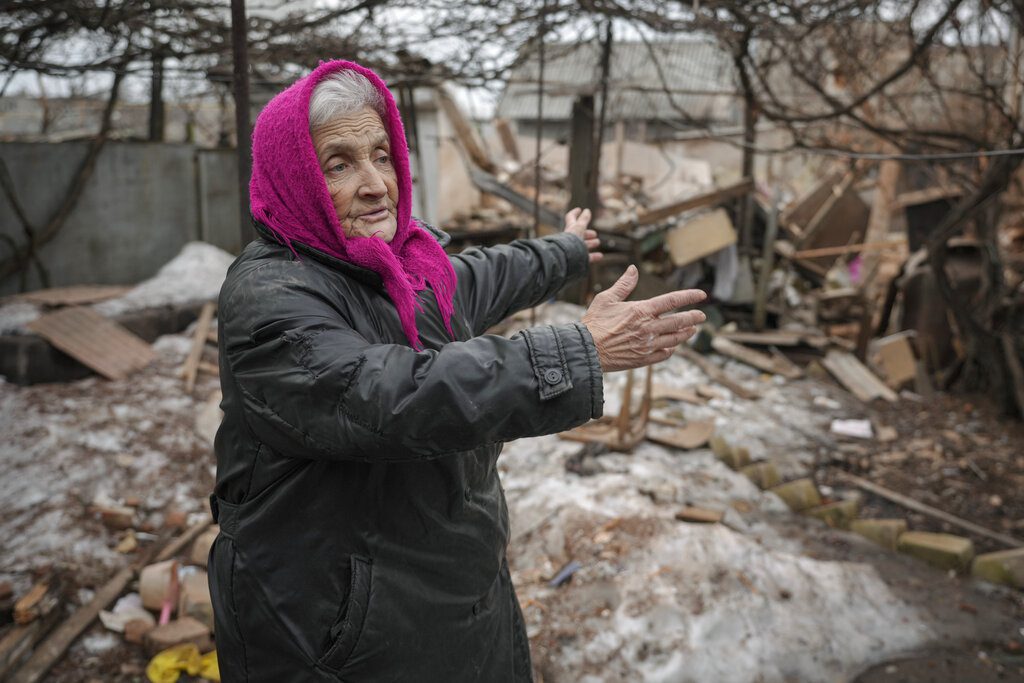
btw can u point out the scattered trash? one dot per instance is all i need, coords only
(860, 429)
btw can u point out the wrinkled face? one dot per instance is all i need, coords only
(355, 157)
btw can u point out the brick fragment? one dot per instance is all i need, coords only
(884, 532)
(763, 474)
(1005, 567)
(837, 515)
(799, 494)
(945, 551)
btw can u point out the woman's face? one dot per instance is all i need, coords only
(355, 156)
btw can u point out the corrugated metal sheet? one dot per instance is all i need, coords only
(699, 77)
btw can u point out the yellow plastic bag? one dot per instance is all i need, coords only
(167, 666)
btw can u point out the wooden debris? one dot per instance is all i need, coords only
(699, 515)
(191, 367)
(853, 375)
(40, 600)
(894, 357)
(623, 432)
(849, 249)
(912, 504)
(684, 394)
(715, 373)
(755, 359)
(700, 237)
(19, 641)
(94, 341)
(688, 436)
(814, 338)
(77, 295)
(739, 189)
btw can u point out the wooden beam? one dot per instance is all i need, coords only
(916, 506)
(715, 373)
(486, 182)
(464, 132)
(191, 367)
(737, 189)
(848, 249)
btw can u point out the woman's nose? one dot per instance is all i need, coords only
(372, 184)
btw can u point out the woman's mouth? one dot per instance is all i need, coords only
(375, 216)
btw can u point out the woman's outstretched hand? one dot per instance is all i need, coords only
(632, 334)
(576, 222)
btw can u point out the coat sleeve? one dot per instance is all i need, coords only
(495, 282)
(313, 387)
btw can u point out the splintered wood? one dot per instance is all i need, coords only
(857, 379)
(79, 295)
(95, 341)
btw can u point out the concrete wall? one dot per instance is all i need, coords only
(141, 205)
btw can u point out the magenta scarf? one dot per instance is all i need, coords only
(288, 193)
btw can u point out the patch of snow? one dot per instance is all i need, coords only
(15, 315)
(195, 274)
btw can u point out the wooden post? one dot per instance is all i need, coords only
(240, 77)
(156, 98)
(767, 263)
(582, 179)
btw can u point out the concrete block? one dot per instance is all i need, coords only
(194, 600)
(201, 546)
(736, 457)
(720, 446)
(1005, 567)
(183, 630)
(944, 551)
(884, 532)
(763, 474)
(799, 494)
(838, 515)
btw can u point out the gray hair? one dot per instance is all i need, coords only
(340, 94)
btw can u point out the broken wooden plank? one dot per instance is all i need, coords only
(191, 367)
(685, 394)
(687, 436)
(486, 182)
(712, 198)
(715, 373)
(624, 431)
(18, 642)
(754, 359)
(813, 339)
(855, 376)
(698, 515)
(917, 506)
(77, 295)
(464, 132)
(704, 235)
(41, 599)
(94, 341)
(849, 249)
(508, 140)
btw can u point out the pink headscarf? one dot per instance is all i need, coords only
(288, 193)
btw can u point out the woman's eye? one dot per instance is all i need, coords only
(383, 159)
(338, 168)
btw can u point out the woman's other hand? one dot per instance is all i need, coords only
(632, 334)
(576, 222)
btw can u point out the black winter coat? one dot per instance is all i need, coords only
(363, 525)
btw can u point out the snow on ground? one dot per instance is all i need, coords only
(67, 446)
(752, 599)
(194, 275)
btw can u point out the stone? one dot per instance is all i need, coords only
(195, 599)
(763, 474)
(201, 546)
(135, 630)
(884, 532)
(177, 632)
(945, 551)
(1005, 567)
(837, 515)
(798, 494)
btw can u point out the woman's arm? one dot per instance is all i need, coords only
(314, 387)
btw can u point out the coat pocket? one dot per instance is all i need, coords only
(346, 630)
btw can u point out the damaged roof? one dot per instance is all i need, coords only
(670, 81)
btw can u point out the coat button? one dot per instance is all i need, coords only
(553, 376)
(476, 609)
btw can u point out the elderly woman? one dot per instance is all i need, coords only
(362, 522)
